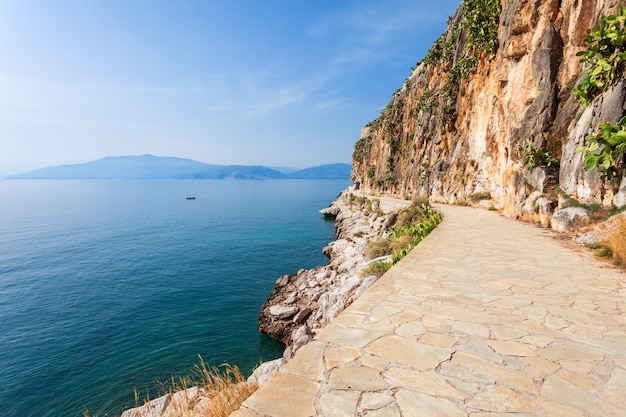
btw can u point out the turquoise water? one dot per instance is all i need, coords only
(108, 286)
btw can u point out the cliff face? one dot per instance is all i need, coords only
(454, 130)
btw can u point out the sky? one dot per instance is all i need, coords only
(258, 82)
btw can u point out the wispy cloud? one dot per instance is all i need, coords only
(372, 32)
(256, 93)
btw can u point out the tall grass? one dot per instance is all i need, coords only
(210, 392)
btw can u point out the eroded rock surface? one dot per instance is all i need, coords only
(454, 142)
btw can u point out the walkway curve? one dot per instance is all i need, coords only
(487, 317)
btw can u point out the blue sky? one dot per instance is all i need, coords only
(278, 83)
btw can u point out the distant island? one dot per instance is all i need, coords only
(158, 167)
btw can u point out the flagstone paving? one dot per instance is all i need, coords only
(487, 317)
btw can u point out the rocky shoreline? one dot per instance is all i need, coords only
(301, 304)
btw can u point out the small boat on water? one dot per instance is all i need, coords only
(191, 198)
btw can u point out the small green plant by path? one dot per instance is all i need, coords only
(604, 55)
(606, 150)
(412, 225)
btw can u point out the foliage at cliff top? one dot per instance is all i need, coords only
(479, 26)
(481, 19)
(604, 55)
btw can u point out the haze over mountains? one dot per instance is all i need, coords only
(156, 167)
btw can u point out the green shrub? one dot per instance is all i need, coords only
(481, 19)
(411, 227)
(606, 149)
(362, 149)
(605, 56)
(533, 157)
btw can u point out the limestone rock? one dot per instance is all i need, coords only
(619, 200)
(331, 211)
(583, 185)
(283, 312)
(163, 405)
(601, 232)
(546, 209)
(541, 178)
(265, 371)
(569, 219)
(302, 315)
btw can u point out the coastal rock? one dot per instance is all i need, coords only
(161, 406)
(283, 312)
(299, 337)
(569, 219)
(330, 211)
(265, 371)
(321, 293)
(302, 316)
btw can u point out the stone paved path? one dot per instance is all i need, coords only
(487, 317)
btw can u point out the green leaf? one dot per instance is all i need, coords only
(591, 161)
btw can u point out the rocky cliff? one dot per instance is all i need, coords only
(495, 89)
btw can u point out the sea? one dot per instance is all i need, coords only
(110, 287)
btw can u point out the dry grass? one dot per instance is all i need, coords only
(616, 240)
(376, 268)
(377, 248)
(210, 392)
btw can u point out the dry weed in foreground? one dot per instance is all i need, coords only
(616, 241)
(210, 392)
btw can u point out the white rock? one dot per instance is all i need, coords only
(283, 312)
(265, 371)
(546, 210)
(619, 200)
(569, 219)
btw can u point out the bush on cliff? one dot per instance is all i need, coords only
(412, 225)
(605, 61)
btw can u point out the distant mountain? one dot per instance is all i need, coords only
(324, 172)
(122, 167)
(156, 167)
(240, 172)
